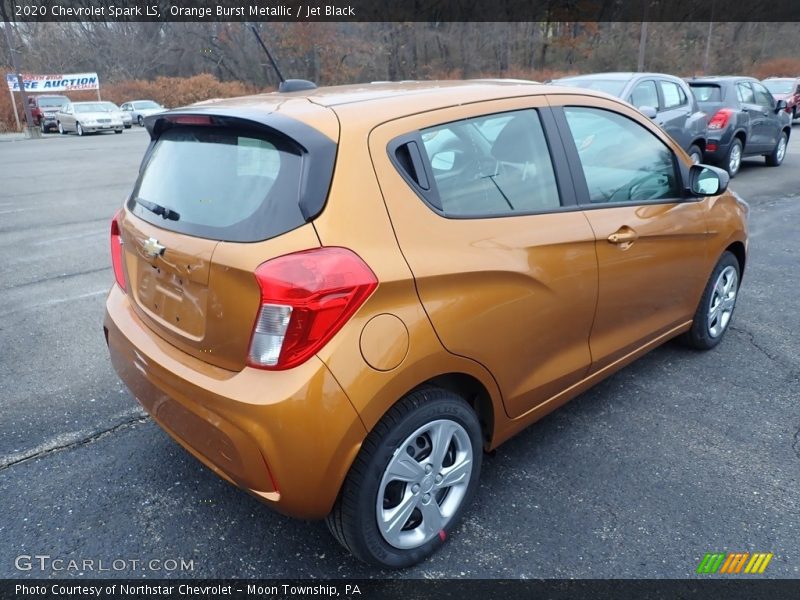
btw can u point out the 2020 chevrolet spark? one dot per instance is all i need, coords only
(338, 298)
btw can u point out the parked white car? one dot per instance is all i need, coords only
(139, 109)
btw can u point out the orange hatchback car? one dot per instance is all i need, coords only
(338, 298)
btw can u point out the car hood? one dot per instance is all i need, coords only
(87, 116)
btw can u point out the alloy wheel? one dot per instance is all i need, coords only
(424, 483)
(723, 300)
(735, 159)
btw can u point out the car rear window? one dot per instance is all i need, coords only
(779, 86)
(224, 184)
(706, 92)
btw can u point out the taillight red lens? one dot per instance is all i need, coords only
(306, 297)
(721, 119)
(116, 251)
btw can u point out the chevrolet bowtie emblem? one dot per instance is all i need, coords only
(152, 248)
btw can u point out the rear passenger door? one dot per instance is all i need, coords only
(651, 242)
(485, 215)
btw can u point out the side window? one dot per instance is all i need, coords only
(745, 93)
(763, 97)
(645, 94)
(492, 165)
(672, 93)
(621, 160)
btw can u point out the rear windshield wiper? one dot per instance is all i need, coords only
(166, 213)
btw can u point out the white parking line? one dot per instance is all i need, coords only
(54, 301)
(16, 210)
(63, 238)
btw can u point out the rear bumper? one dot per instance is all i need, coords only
(287, 437)
(717, 145)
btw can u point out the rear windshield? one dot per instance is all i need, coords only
(223, 184)
(706, 93)
(609, 86)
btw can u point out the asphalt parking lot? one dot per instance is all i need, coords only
(680, 454)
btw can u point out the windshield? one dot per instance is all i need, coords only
(110, 106)
(609, 86)
(224, 184)
(52, 102)
(779, 86)
(91, 107)
(146, 104)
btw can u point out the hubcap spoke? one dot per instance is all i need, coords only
(398, 516)
(456, 473)
(404, 468)
(432, 519)
(441, 436)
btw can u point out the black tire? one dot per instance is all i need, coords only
(693, 151)
(701, 336)
(79, 129)
(141, 121)
(118, 131)
(354, 521)
(775, 158)
(736, 144)
(127, 126)
(61, 129)
(42, 128)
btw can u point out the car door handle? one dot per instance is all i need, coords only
(624, 235)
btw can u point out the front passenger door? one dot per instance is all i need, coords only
(650, 241)
(771, 123)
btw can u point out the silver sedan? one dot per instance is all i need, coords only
(88, 117)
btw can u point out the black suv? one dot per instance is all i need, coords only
(744, 120)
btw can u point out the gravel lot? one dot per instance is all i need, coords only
(680, 454)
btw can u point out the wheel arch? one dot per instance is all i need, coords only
(738, 250)
(473, 392)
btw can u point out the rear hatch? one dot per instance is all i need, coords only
(221, 190)
(710, 97)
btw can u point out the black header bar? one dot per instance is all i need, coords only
(404, 10)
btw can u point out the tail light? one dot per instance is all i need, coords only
(721, 119)
(116, 251)
(306, 297)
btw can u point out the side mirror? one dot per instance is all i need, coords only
(780, 105)
(648, 111)
(705, 180)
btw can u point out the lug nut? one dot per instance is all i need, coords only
(415, 488)
(439, 478)
(426, 498)
(428, 468)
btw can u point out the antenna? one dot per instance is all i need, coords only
(269, 56)
(286, 85)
